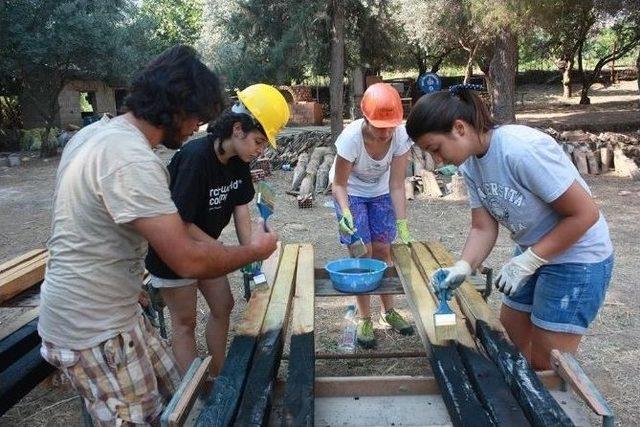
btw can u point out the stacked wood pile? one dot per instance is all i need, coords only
(423, 182)
(21, 366)
(311, 175)
(594, 154)
(291, 146)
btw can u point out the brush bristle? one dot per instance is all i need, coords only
(358, 249)
(444, 319)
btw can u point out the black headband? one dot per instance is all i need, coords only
(455, 89)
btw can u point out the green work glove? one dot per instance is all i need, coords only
(403, 231)
(345, 224)
(252, 268)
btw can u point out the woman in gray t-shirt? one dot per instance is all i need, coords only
(520, 177)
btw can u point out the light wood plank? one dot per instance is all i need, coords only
(419, 299)
(473, 306)
(190, 394)
(20, 259)
(375, 386)
(568, 368)
(22, 277)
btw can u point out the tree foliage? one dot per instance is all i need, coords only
(173, 21)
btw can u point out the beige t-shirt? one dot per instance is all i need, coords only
(108, 176)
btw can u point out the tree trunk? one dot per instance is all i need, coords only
(566, 77)
(638, 73)
(469, 70)
(439, 60)
(502, 73)
(584, 98)
(357, 90)
(337, 67)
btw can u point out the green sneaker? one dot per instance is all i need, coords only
(364, 333)
(392, 319)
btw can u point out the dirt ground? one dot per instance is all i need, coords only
(609, 352)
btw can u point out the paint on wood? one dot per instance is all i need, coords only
(462, 403)
(459, 396)
(222, 403)
(19, 343)
(535, 400)
(255, 405)
(9, 327)
(492, 390)
(298, 399)
(21, 377)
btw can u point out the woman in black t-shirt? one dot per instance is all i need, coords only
(210, 183)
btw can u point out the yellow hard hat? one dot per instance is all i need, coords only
(267, 105)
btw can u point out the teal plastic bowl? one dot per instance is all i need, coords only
(356, 275)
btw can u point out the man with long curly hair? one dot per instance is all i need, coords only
(111, 198)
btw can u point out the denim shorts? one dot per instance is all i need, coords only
(373, 217)
(564, 297)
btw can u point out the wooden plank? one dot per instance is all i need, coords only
(21, 278)
(471, 302)
(256, 400)
(21, 377)
(223, 401)
(298, 397)
(20, 259)
(376, 386)
(190, 394)
(493, 391)
(18, 322)
(18, 343)
(23, 266)
(568, 368)
(462, 403)
(535, 400)
(388, 286)
(427, 266)
(490, 387)
(171, 406)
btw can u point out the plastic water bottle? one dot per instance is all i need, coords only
(347, 342)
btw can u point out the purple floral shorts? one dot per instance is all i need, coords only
(373, 217)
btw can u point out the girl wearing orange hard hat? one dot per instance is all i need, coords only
(210, 183)
(368, 187)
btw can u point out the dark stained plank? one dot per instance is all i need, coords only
(388, 286)
(535, 400)
(222, 403)
(256, 400)
(299, 391)
(21, 377)
(18, 343)
(492, 390)
(457, 392)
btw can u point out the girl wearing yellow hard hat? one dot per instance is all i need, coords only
(210, 183)
(368, 186)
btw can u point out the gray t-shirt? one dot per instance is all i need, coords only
(523, 171)
(108, 176)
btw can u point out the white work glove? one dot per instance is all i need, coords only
(516, 272)
(450, 278)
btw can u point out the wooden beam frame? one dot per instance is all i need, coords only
(222, 403)
(298, 397)
(22, 276)
(256, 400)
(458, 394)
(486, 379)
(535, 400)
(7, 265)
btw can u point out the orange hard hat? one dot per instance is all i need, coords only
(381, 105)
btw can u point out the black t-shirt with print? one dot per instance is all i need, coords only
(205, 192)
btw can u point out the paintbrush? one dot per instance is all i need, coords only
(265, 202)
(444, 319)
(357, 247)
